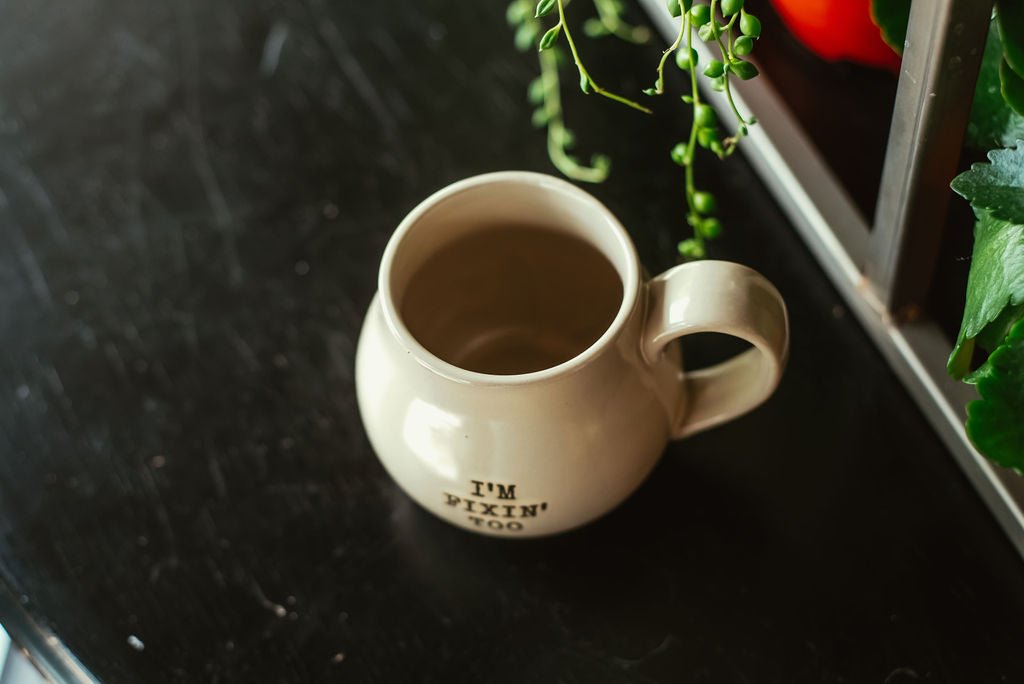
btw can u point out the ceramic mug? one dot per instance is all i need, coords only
(517, 373)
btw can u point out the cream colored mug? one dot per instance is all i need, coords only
(518, 374)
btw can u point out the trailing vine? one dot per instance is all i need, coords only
(723, 23)
(704, 129)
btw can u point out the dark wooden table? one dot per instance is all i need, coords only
(193, 200)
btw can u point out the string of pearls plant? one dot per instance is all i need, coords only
(724, 24)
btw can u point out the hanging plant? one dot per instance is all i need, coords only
(724, 24)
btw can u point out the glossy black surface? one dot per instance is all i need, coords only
(195, 196)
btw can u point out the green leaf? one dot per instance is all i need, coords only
(704, 202)
(706, 136)
(691, 249)
(700, 14)
(535, 91)
(1012, 87)
(750, 25)
(686, 58)
(705, 116)
(892, 16)
(1011, 29)
(516, 12)
(992, 123)
(745, 70)
(714, 69)
(730, 7)
(995, 423)
(710, 228)
(993, 334)
(996, 281)
(585, 85)
(525, 35)
(544, 8)
(997, 187)
(594, 28)
(549, 37)
(678, 154)
(743, 46)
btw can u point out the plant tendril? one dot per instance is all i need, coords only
(659, 84)
(704, 129)
(545, 93)
(701, 16)
(587, 83)
(559, 137)
(692, 217)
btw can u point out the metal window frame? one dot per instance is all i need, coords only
(51, 657)
(883, 271)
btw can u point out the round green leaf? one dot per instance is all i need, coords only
(714, 69)
(691, 249)
(750, 25)
(704, 115)
(743, 46)
(594, 28)
(525, 35)
(704, 202)
(686, 58)
(745, 70)
(711, 228)
(731, 7)
(995, 423)
(678, 154)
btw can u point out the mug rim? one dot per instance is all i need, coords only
(630, 284)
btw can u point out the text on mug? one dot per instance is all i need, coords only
(496, 515)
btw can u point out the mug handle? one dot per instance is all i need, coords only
(721, 297)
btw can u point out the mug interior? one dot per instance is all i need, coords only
(510, 274)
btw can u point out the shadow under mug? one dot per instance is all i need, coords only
(518, 375)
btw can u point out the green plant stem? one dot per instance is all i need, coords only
(584, 76)
(728, 57)
(659, 85)
(691, 145)
(556, 126)
(614, 25)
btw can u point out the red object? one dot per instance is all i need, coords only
(838, 30)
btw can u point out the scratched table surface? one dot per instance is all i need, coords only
(194, 197)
